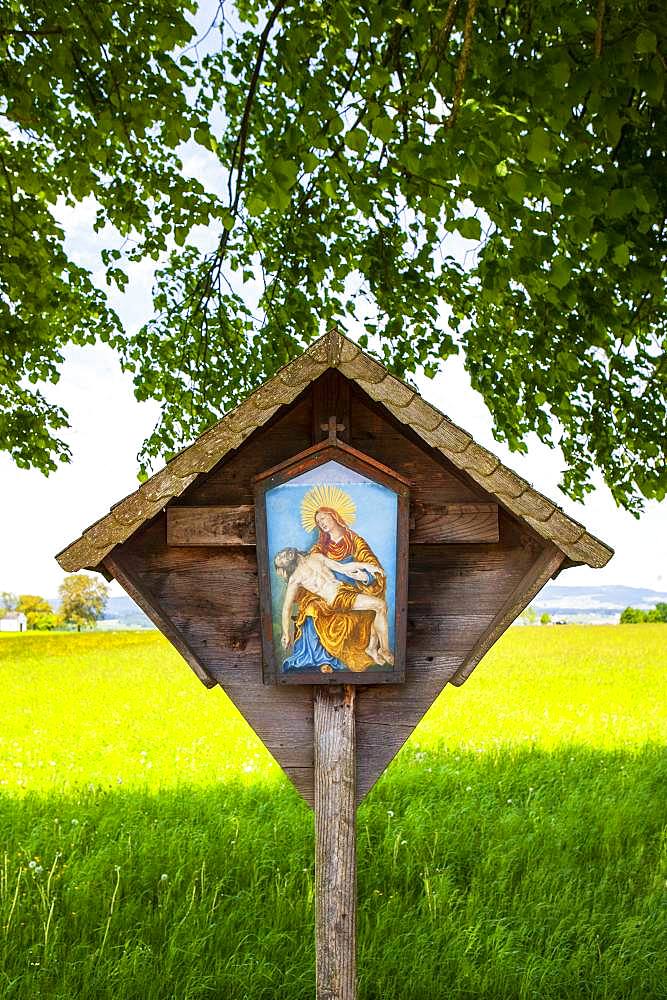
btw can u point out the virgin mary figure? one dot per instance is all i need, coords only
(336, 636)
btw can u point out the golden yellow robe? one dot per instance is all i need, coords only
(344, 634)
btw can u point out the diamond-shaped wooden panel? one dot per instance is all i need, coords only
(460, 596)
(209, 608)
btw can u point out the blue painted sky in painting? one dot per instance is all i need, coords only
(329, 472)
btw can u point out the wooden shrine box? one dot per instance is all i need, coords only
(482, 542)
(332, 473)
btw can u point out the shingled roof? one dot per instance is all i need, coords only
(335, 351)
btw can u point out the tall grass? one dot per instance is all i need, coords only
(150, 848)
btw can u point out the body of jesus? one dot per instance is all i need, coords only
(315, 573)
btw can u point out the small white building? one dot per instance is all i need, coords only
(14, 621)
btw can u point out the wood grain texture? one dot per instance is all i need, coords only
(378, 434)
(431, 523)
(455, 522)
(331, 398)
(211, 525)
(231, 481)
(208, 596)
(335, 848)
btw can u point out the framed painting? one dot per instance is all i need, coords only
(332, 549)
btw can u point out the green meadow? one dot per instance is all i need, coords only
(151, 849)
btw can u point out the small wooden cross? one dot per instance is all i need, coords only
(332, 426)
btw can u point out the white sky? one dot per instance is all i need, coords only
(40, 515)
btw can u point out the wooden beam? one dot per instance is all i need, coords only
(453, 522)
(335, 848)
(211, 525)
(430, 524)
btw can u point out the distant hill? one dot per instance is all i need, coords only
(593, 604)
(120, 612)
(126, 611)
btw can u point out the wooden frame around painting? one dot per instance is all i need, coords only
(333, 598)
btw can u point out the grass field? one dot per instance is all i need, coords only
(151, 849)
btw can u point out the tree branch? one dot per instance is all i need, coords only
(240, 144)
(31, 33)
(599, 28)
(462, 67)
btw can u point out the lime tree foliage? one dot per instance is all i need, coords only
(528, 616)
(82, 600)
(93, 103)
(348, 145)
(636, 616)
(39, 613)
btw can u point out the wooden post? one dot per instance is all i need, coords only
(335, 848)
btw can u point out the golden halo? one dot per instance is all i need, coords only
(327, 496)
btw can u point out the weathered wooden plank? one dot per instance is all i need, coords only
(455, 522)
(231, 482)
(433, 478)
(335, 847)
(430, 524)
(211, 525)
(331, 398)
(434, 634)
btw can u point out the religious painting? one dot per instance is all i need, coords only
(331, 542)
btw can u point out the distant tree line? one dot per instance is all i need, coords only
(82, 603)
(636, 616)
(529, 616)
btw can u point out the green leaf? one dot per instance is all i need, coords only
(560, 73)
(653, 81)
(382, 128)
(599, 245)
(646, 41)
(255, 204)
(621, 203)
(278, 198)
(560, 272)
(613, 126)
(470, 174)
(641, 201)
(470, 228)
(284, 173)
(335, 126)
(516, 187)
(552, 191)
(621, 254)
(539, 145)
(356, 139)
(310, 162)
